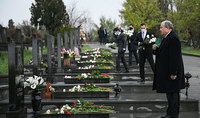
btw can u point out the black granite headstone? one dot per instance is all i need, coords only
(16, 82)
(78, 37)
(59, 50)
(50, 40)
(66, 40)
(35, 55)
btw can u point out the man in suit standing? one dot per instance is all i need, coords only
(121, 43)
(132, 44)
(169, 70)
(101, 34)
(105, 36)
(145, 50)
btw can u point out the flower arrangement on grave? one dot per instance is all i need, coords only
(81, 107)
(96, 66)
(49, 91)
(68, 53)
(77, 51)
(33, 83)
(97, 60)
(107, 55)
(148, 41)
(89, 87)
(94, 74)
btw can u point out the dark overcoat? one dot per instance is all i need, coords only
(121, 42)
(132, 41)
(169, 62)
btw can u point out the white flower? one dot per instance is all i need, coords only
(62, 111)
(68, 76)
(33, 86)
(56, 109)
(64, 90)
(51, 89)
(48, 112)
(152, 35)
(68, 107)
(41, 81)
(147, 36)
(26, 84)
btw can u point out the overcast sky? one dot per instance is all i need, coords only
(18, 10)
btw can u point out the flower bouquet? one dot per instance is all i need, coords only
(34, 82)
(96, 66)
(68, 53)
(81, 107)
(93, 74)
(111, 45)
(89, 87)
(86, 91)
(128, 32)
(148, 41)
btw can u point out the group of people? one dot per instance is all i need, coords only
(168, 68)
(102, 32)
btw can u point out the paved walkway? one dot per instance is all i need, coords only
(192, 65)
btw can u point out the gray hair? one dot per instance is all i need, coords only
(168, 24)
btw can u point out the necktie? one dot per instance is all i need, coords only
(143, 35)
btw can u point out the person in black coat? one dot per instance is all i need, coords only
(169, 69)
(101, 34)
(105, 36)
(132, 44)
(145, 50)
(121, 44)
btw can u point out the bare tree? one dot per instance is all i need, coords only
(76, 17)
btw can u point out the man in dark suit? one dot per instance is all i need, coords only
(132, 44)
(145, 50)
(101, 34)
(105, 36)
(121, 43)
(169, 70)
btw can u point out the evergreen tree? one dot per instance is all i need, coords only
(50, 13)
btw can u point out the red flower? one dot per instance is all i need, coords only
(94, 64)
(85, 84)
(106, 74)
(101, 87)
(64, 110)
(92, 72)
(78, 78)
(69, 113)
(74, 104)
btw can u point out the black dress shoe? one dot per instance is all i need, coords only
(141, 80)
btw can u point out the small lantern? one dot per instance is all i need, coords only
(117, 89)
(187, 84)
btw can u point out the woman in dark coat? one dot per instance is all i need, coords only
(169, 69)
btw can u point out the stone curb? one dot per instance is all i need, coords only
(191, 55)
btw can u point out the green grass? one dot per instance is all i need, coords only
(190, 50)
(84, 48)
(44, 51)
(27, 56)
(4, 60)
